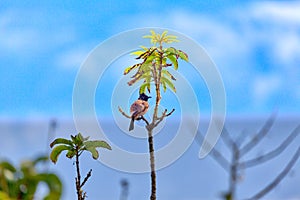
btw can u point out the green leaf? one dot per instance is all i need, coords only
(143, 47)
(92, 145)
(183, 55)
(170, 50)
(169, 83)
(137, 53)
(78, 139)
(97, 144)
(144, 55)
(71, 153)
(54, 185)
(128, 69)
(8, 166)
(164, 34)
(57, 151)
(167, 73)
(94, 152)
(61, 141)
(40, 159)
(164, 86)
(4, 196)
(143, 87)
(150, 58)
(171, 41)
(148, 36)
(173, 59)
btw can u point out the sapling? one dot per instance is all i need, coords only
(75, 147)
(153, 68)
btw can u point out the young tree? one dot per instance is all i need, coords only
(153, 68)
(75, 147)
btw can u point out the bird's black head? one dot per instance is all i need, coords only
(144, 97)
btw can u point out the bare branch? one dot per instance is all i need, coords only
(259, 136)
(123, 113)
(164, 115)
(145, 120)
(170, 113)
(227, 139)
(215, 154)
(279, 178)
(241, 138)
(272, 154)
(89, 174)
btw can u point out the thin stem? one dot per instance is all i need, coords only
(157, 79)
(215, 153)
(152, 165)
(259, 136)
(272, 154)
(279, 178)
(78, 178)
(233, 171)
(89, 174)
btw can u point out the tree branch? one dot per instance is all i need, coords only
(227, 139)
(241, 138)
(279, 178)
(123, 113)
(259, 136)
(272, 154)
(89, 174)
(145, 120)
(215, 154)
(164, 115)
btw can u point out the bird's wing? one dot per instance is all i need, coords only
(137, 106)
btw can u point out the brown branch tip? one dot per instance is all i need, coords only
(123, 113)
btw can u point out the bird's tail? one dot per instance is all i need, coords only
(131, 126)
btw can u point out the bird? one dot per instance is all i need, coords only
(138, 109)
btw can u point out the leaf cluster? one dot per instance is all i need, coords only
(155, 62)
(76, 145)
(22, 182)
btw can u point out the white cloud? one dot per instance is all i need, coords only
(287, 48)
(286, 12)
(12, 37)
(72, 58)
(19, 36)
(264, 87)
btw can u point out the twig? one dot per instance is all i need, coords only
(279, 178)
(77, 179)
(89, 174)
(258, 137)
(215, 154)
(225, 136)
(145, 120)
(123, 113)
(241, 138)
(272, 154)
(164, 115)
(128, 116)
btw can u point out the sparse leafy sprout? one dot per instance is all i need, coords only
(155, 61)
(77, 143)
(75, 147)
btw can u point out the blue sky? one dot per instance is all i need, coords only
(254, 44)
